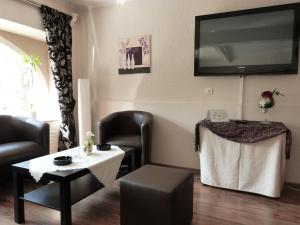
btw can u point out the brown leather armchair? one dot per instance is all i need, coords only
(130, 129)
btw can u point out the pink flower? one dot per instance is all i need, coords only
(267, 94)
(270, 94)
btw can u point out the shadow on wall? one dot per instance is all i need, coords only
(172, 143)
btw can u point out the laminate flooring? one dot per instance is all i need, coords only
(212, 206)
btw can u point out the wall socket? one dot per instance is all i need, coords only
(209, 91)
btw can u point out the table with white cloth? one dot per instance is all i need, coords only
(103, 164)
(257, 167)
(70, 183)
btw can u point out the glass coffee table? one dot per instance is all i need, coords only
(68, 187)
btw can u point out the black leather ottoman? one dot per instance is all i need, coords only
(156, 195)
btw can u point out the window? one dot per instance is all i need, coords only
(15, 81)
(25, 91)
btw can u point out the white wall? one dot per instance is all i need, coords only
(27, 14)
(17, 11)
(171, 92)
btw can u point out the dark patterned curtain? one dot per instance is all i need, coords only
(59, 41)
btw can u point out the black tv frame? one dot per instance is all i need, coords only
(241, 70)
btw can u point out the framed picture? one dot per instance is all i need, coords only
(134, 55)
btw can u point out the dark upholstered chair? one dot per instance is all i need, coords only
(22, 139)
(130, 129)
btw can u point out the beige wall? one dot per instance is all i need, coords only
(27, 14)
(171, 92)
(17, 11)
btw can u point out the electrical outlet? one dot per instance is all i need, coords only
(209, 91)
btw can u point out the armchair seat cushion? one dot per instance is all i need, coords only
(126, 140)
(18, 151)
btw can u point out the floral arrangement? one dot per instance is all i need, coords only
(89, 142)
(267, 99)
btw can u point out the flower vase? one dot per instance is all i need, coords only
(265, 110)
(88, 150)
(265, 103)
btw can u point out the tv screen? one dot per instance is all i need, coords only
(255, 41)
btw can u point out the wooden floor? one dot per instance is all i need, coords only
(211, 206)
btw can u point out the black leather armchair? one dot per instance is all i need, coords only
(22, 139)
(130, 129)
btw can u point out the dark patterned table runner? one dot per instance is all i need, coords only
(244, 131)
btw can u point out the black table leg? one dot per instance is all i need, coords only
(18, 186)
(65, 203)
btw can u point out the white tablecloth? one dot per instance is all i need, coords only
(257, 167)
(103, 164)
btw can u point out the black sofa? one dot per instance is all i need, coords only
(22, 139)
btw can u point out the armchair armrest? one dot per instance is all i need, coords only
(147, 120)
(146, 139)
(32, 130)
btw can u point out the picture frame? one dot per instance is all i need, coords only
(134, 55)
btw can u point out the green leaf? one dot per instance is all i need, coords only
(34, 61)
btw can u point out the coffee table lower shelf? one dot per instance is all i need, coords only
(49, 195)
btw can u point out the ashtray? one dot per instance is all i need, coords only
(103, 147)
(62, 160)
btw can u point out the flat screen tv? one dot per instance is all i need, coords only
(253, 41)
